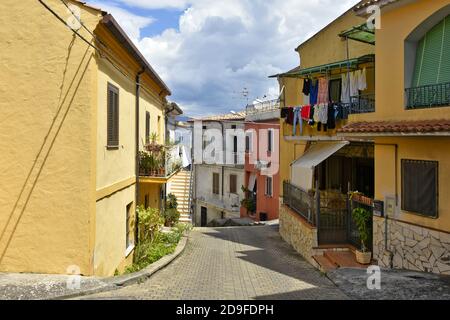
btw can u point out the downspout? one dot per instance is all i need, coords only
(138, 91)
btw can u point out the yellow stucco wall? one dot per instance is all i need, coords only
(433, 149)
(151, 102)
(46, 113)
(153, 191)
(396, 26)
(326, 46)
(110, 247)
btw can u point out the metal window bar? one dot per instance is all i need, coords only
(300, 201)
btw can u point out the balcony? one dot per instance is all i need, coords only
(430, 96)
(158, 163)
(364, 103)
(264, 110)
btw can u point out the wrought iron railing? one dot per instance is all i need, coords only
(160, 163)
(300, 201)
(436, 95)
(262, 107)
(364, 103)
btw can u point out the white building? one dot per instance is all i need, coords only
(220, 177)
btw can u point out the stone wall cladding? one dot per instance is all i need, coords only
(298, 233)
(411, 247)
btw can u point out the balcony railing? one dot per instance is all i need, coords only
(301, 202)
(159, 162)
(364, 103)
(436, 95)
(262, 107)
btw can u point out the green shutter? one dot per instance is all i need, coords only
(444, 74)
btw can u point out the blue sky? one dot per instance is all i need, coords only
(209, 51)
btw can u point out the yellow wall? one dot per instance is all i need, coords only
(326, 46)
(433, 149)
(396, 26)
(110, 244)
(47, 186)
(153, 191)
(151, 102)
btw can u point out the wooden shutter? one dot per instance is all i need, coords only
(113, 117)
(233, 183)
(216, 183)
(433, 56)
(270, 140)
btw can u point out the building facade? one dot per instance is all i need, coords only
(262, 164)
(68, 189)
(218, 167)
(410, 129)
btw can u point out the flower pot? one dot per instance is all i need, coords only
(363, 257)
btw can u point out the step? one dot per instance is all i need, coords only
(343, 259)
(325, 265)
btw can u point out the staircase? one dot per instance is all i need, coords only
(181, 185)
(332, 259)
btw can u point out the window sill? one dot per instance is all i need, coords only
(112, 148)
(129, 251)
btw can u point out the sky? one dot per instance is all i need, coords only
(210, 51)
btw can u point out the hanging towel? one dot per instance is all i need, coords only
(362, 80)
(354, 79)
(345, 95)
(306, 110)
(323, 91)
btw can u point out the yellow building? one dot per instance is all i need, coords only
(69, 138)
(318, 168)
(411, 131)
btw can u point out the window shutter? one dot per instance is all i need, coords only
(147, 127)
(216, 183)
(433, 56)
(270, 140)
(233, 183)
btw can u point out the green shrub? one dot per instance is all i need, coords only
(362, 219)
(150, 222)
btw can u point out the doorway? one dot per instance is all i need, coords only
(204, 217)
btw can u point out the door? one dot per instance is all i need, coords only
(204, 217)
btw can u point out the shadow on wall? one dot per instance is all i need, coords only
(41, 158)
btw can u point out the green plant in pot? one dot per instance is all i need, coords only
(248, 202)
(171, 214)
(362, 218)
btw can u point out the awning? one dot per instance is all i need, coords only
(302, 171)
(350, 64)
(252, 182)
(361, 33)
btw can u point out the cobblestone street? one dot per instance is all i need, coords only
(233, 263)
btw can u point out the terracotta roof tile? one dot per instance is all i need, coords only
(230, 116)
(409, 127)
(366, 3)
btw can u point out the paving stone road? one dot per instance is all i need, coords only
(233, 263)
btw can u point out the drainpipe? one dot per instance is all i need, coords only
(138, 91)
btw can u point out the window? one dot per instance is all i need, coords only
(147, 127)
(420, 187)
(233, 183)
(433, 56)
(216, 178)
(113, 117)
(270, 140)
(269, 186)
(248, 142)
(128, 228)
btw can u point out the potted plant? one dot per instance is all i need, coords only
(248, 202)
(171, 214)
(362, 219)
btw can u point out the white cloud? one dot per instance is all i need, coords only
(221, 47)
(130, 23)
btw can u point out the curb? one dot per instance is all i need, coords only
(115, 283)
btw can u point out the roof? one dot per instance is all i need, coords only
(173, 109)
(121, 36)
(229, 116)
(398, 127)
(361, 33)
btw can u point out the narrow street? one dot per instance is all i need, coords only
(233, 263)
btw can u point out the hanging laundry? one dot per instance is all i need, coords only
(323, 94)
(316, 115)
(311, 116)
(354, 78)
(306, 110)
(331, 117)
(284, 113)
(290, 116)
(335, 90)
(313, 92)
(297, 119)
(345, 95)
(362, 79)
(306, 86)
(323, 113)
